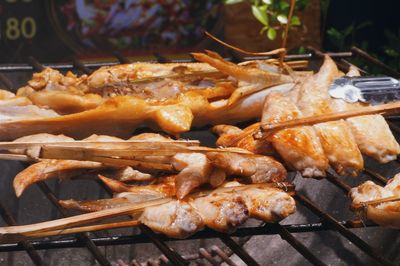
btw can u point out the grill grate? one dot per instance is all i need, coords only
(216, 255)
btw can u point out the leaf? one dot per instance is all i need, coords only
(284, 6)
(295, 21)
(260, 13)
(231, 2)
(271, 34)
(282, 18)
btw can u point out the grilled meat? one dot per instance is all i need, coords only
(222, 210)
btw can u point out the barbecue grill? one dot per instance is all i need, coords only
(323, 231)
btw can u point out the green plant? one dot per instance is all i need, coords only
(272, 14)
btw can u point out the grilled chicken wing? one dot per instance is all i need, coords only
(298, 146)
(388, 213)
(337, 140)
(269, 205)
(176, 219)
(222, 210)
(256, 169)
(231, 136)
(372, 133)
(194, 170)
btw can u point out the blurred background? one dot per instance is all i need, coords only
(54, 31)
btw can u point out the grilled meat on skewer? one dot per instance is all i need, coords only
(222, 210)
(386, 210)
(115, 100)
(192, 169)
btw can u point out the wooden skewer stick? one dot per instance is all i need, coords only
(249, 131)
(12, 233)
(17, 157)
(88, 228)
(78, 219)
(384, 109)
(376, 202)
(142, 144)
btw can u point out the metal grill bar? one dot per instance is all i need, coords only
(228, 241)
(53, 199)
(205, 234)
(303, 250)
(84, 237)
(375, 61)
(380, 178)
(70, 65)
(25, 245)
(342, 230)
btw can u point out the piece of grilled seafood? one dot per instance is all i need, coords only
(190, 169)
(387, 212)
(224, 209)
(312, 149)
(117, 99)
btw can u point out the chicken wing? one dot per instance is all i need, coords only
(221, 211)
(176, 219)
(336, 138)
(372, 133)
(299, 146)
(387, 213)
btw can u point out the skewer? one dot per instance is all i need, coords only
(247, 132)
(89, 228)
(376, 202)
(384, 109)
(133, 154)
(17, 157)
(110, 144)
(5, 232)
(66, 225)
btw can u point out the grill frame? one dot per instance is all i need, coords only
(147, 236)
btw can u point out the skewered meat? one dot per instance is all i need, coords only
(299, 146)
(164, 186)
(336, 137)
(47, 169)
(371, 132)
(34, 152)
(176, 219)
(223, 209)
(193, 169)
(256, 169)
(385, 213)
(166, 96)
(308, 149)
(228, 135)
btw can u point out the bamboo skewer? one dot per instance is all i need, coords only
(375, 202)
(384, 109)
(17, 157)
(66, 225)
(88, 228)
(78, 219)
(110, 144)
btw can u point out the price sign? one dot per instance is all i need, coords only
(53, 31)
